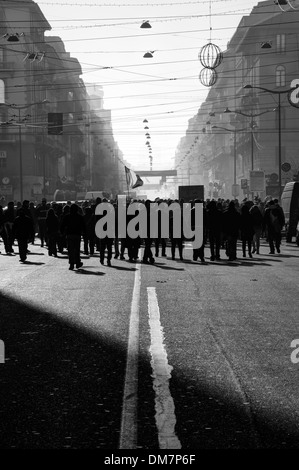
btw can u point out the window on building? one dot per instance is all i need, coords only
(3, 159)
(2, 91)
(280, 43)
(280, 75)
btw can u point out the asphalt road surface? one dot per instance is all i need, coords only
(176, 355)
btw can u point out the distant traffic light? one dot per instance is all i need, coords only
(55, 123)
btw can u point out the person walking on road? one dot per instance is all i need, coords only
(231, 226)
(41, 214)
(62, 242)
(199, 252)
(9, 218)
(246, 229)
(274, 221)
(159, 240)
(104, 241)
(52, 232)
(116, 239)
(214, 228)
(89, 237)
(22, 231)
(176, 240)
(32, 210)
(3, 233)
(257, 218)
(74, 227)
(148, 257)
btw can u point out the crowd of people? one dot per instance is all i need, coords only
(68, 227)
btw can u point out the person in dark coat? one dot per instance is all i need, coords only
(133, 244)
(22, 231)
(62, 243)
(148, 257)
(32, 210)
(214, 228)
(274, 221)
(2, 229)
(52, 231)
(246, 230)
(199, 252)
(257, 217)
(94, 206)
(89, 236)
(41, 214)
(116, 239)
(231, 227)
(176, 240)
(74, 227)
(9, 218)
(159, 240)
(105, 242)
(124, 241)
(25, 207)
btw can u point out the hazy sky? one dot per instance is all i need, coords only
(164, 89)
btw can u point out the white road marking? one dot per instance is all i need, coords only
(164, 406)
(128, 433)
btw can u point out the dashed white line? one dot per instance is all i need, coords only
(128, 432)
(164, 405)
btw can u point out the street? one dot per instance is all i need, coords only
(175, 355)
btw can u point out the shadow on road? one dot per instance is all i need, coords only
(36, 263)
(122, 268)
(62, 387)
(33, 253)
(168, 268)
(86, 271)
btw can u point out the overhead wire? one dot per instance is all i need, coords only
(145, 81)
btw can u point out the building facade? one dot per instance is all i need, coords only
(39, 82)
(247, 122)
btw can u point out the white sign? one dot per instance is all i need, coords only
(235, 190)
(6, 190)
(257, 180)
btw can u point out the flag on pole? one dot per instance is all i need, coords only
(133, 180)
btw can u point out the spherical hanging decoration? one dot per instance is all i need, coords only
(210, 56)
(208, 77)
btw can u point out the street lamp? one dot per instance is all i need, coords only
(19, 109)
(251, 115)
(235, 147)
(279, 93)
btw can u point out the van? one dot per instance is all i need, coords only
(290, 205)
(93, 195)
(61, 195)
